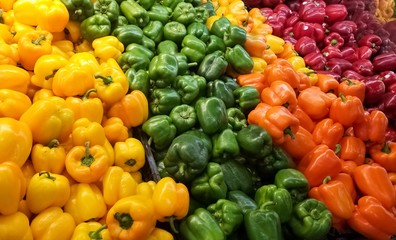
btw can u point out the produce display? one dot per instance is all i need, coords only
(197, 119)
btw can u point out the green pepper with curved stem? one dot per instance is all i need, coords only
(215, 43)
(79, 10)
(234, 35)
(270, 197)
(167, 46)
(262, 224)
(276, 160)
(163, 100)
(193, 48)
(200, 30)
(128, 34)
(183, 63)
(135, 13)
(109, 8)
(201, 14)
(133, 60)
(95, 26)
(209, 186)
(175, 32)
(187, 87)
(158, 12)
(213, 66)
(154, 30)
(161, 131)
(236, 119)
(294, 181)
(246, 98)
(212, 114)
(310, 220)
(183, 117)
(218, 88)
(138, 80)
(220, 26)
(163, 69)
(239, 59)
(184, 13)
(254, 141)
(228, 215)
(225, 146)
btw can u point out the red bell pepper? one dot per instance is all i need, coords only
(345, 28)
(315, 60)
(335, 13)
(389, 104)
(305, 45)
(340, 62)
(352, 75)
(312, 12)
(334, 39)
(371, 40)
(349, 54)
(331, 52)
(385, 62)
(388, 77)
(269, 3)
(293, 19)
(364, 52)
(312, 30)
(375, 90)
(363, 67)
(283, 9)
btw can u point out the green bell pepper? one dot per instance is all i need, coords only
(219, 89)
(237, 176)
(128, 34)
(212, 114)
(270, 197)
(230, 82)
(209, 186)
(276, 160)
(236, 120)
(263, 224)
(184, 65)
(167, 46)
(139, 49)
(186, 158)
(121, 21)
(246, 98)
(205, 138)
(239, 59)
(194, 205)
(146, 4)
(187, 87)
(184, 13)
(171, 3)
(228, 215)
(201, 226)
(220, 26)
(215, 43)
(213, 66)
(135, 13)
(201, 14)
(148, 43)
(161, 168)
(234, 35)
(293, 181)
(95, 26)
(162, 100)
(163, 69)
(245, 202)
(254, 141)
(79, 10)
(161, 131)
(201, 85)
(183, 117)
(154, 30)
(210, 7)
(193, 48)
(310, 220)
(225, 146)
(158, 12)
(200, 30)
(138, 80)
(175, 32)
(109, 8)
(129, 60)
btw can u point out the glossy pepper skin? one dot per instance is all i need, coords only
(236, 119)
(293, 181)
(154, 30)
(280, 93)
(109, 8)
(328, 132)
(159, 12)
(128, 34)
(237, 176)
(225, 145)
(8, 223)
(276, 160)
(228, 215)
(117, 184)
(163, 100)
(187, 87)
(254, 141)
(135, 13)
(209, 186)
(129, 154)
(384, 155)
(175, 32)
(95, 26)
(89, 230)
(13, 187)
(48, 158)
(212, 114)
(246, 98)
(239, 59)
(218, 88)
(242, 199)
(183, 117)
(262, 224)
(161, 130)
(213, 65)
(79, 10)
(163, 69)
(184, 13)
(138, 80)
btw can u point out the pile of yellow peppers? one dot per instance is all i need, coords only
(69, 164)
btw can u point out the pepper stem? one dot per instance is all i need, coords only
(86, 94)
(342, 96)
(88, 159)
(333, 42)
(95, 235)
(53, 143)
(124, 219)
(315, 214)
(107, 80)
(386, 148)
(289, 132)
(130, 162)
(38, 40)
(48, 175)
(326, 179)
(337, 149)
(171, 220)
(192, 64)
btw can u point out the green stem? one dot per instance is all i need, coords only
(326, 179)
(386, 148)
(95, 235)
(53, 143)
(86, 94)
(107, 80)
(38, 40)
(172, 224)
(342, 96)
(124, 219)
(337, 149)
(48, 175)
(88, 159)
(289, 132)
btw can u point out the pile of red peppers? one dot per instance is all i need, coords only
(343, 39)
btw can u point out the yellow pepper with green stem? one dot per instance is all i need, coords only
(86, 106)
(91, 231)
(49, 157)
(45, 68)
(129, 155)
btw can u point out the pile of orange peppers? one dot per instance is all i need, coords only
(70, 166)
(338, 145)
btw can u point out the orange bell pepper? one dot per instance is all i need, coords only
(353, 149)
(261, 29)
(269, 56)
(300, 145)
(86, 106)
(347, 180)
(328, 132)
(52, 15)
(245, 22)
(255, 44)
(348, 166)
(372, 128)
(258, 113)
(305, 120)
(319, 163)
(385, 155)
(281, 69)
(280, 93)
(14, 78)
(115, 130)
(305, 81)
(373, 180)
(352, 87)
(372, 220)
(256, 15)
(13, 103)
(315, 103)
(347, 104)
(327, 83)
(49, 158)
(256, 80)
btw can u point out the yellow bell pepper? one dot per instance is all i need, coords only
(57, 51)
(42, 94)
(13, 103)
(15, 141)
(222, 10)
(131, 218)
(6, 5)
(47, 190)
(110, 152)
(91, 231)
(15, 226)
(86, 131)
(259, 65)
(312, 75)
(53, 223)
(115, 130)
(73, 31)
(160, 234)
(14, 78)
(107, 47)
(238, 8)
(25, 12)
(5, 34)
(50, 113)
(132, 109)
(28, 171)
(86, 106)
(18, 30)
(85, 203)
(137, 176)
(86, 59)
(8, 54)
(257, 16)
(275, 43)
(45, 68)
(83, 46)
(57, 36)
(49, 158)
(146, 188)
(52, 15)
(117, 184)
(87, 164)
(23, 208)
(13, 187)
(297, 62)
(66, 46)
(33, 45)
(8, 17)
(129, 155)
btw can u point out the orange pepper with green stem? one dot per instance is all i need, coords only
(300, 145)
(282, 70)
(353, 149)
(384, 154)
(346, 104)
(305, 121)
(86, 106)
(315, 103)
(13, 103)
(33, 45)
(352, 87)
(280, 93)
(50, 158)
(327, 83)
(328, 132)
(372, 128)
(45, 68)
(256, 80)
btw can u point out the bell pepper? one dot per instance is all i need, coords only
(243, 200)
(193, 48)
(115, 130)
(335, 13)
(321, 100)
(305, 45)
(135, 13)
(128, 34)
(297, 148)
(280, 93)
(13, 185)
(203, 12)
(79, 10)
(328, 132)
(163, 100)
(236, 119)
(383, 155)
(13, 103)
(312, 12)
(95, 26)
(209, 186)
(199, 30)
(228, 215)
(108, 8)
(184, 13)
(237, 176)
(49, 158)
(158, 12)
(117, 184)
(214, 43)
(353, 149)
(276, 160)
(352, 87)
(8, 229)
(129, 154)
(111, 84)
(138, 80)
(132, 109)
(205, 137)
(160, 234)
(84, 130)
(45, 68)
(50, 222)
(350, 104)
(311, 30)
(184, 166)
(211, 114)
(50, 113)
(334, 39)
(154, 30)
(310, 219)
(47, 190)
(239, 59)
(163, 69)
(175, 32)
(86, 107)
(293, 181)
(374, 42)
(187, 87)
(256, 80)
(161, 130)
(225, 145)
(282, 70)
(131, 218)
(213, 65)
(90, 230)
(254, 141)
(133, 59)
(183, 117)
(246, 98)
(305, 121)
(219, 89)
(107, 47)
(201, 225)
(262, 224)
